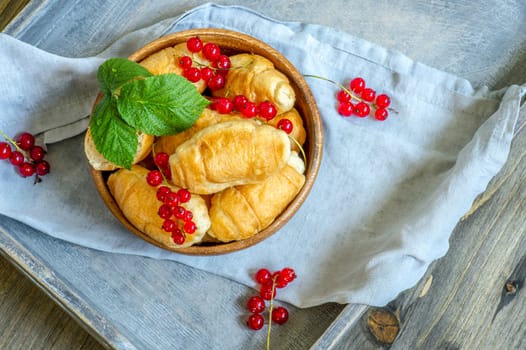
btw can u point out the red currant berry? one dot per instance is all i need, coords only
(216, 82)
(345, 108)
(194, 44)
(42, 168)
(184, 195)
(255, 322)
(288, 274)
(154, 178)
(383, 101)
(267, 291)
(223, 62)
(223, 105)
(285, 125)
(171, 199)
(188, 216)
(178, 236)
(5, 150)
(211, 52)
(263, 276)
(381, 114)
(161, 159)
(267, 110)
(278, 280)
(189, 227)
(256, 304)
(37, 153)
(162, 192)
(179, 212)
(249, 109)
(368, 94)
(192, 74)
(169, 225)
(343, 96)
(239, 101)
(357, 85)
(16, 158)
(25, 141)
(206, 73)
(185, 62)
(280, 315)
(165, 211)
(362, 109)
(26, 169)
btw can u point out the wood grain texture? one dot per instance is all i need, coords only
(9, 9)
(461, 303)
(31, 320)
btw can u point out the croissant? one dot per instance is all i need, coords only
(242, 211)
(97, 160)
(167, 61)
(139, 203)
(228, 154)
(257, 79)
(169, 143)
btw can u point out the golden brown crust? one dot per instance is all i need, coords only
(139, 203)
(169, 143)
(257, 79)
(167, 61)
(242, 211)
(228, 154)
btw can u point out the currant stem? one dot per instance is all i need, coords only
(302, 151)
(270, 308)
(335, 83)
(11, 141)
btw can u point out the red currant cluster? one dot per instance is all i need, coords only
(265, 110)
(177, 219)
(360, 100)
(213, 75)
(256, 304)
(27, 157)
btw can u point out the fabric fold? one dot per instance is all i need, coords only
(388, 194)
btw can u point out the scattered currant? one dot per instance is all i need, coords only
(177, 220)
(24, 155)
(359, 99)
(280, 315)
(256, 305)
(255, 322)
(285, 125)
(267, 110)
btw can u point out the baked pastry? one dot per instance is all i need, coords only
(298, 129)
(139, 203)
(242, 211)
(97, 160)
(167, 61)
(169, 143)
(257, 79)
(228, 154)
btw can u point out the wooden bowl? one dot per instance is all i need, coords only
(230, 43)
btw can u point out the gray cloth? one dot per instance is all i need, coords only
(388, 194)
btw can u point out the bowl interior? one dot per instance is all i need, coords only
(232, 43)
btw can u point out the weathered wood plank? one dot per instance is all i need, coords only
(31, 320)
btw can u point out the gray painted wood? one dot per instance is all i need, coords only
(132, 302)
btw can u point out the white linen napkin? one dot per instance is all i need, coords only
(386, 199)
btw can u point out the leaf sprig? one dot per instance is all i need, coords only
(135, 101)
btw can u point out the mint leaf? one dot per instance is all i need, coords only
(115, 72)
(113, 138)
(161, 105)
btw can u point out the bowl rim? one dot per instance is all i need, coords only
(314, 149)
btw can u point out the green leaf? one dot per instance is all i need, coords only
(115, 72)
(113, 138)
(161, 105)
